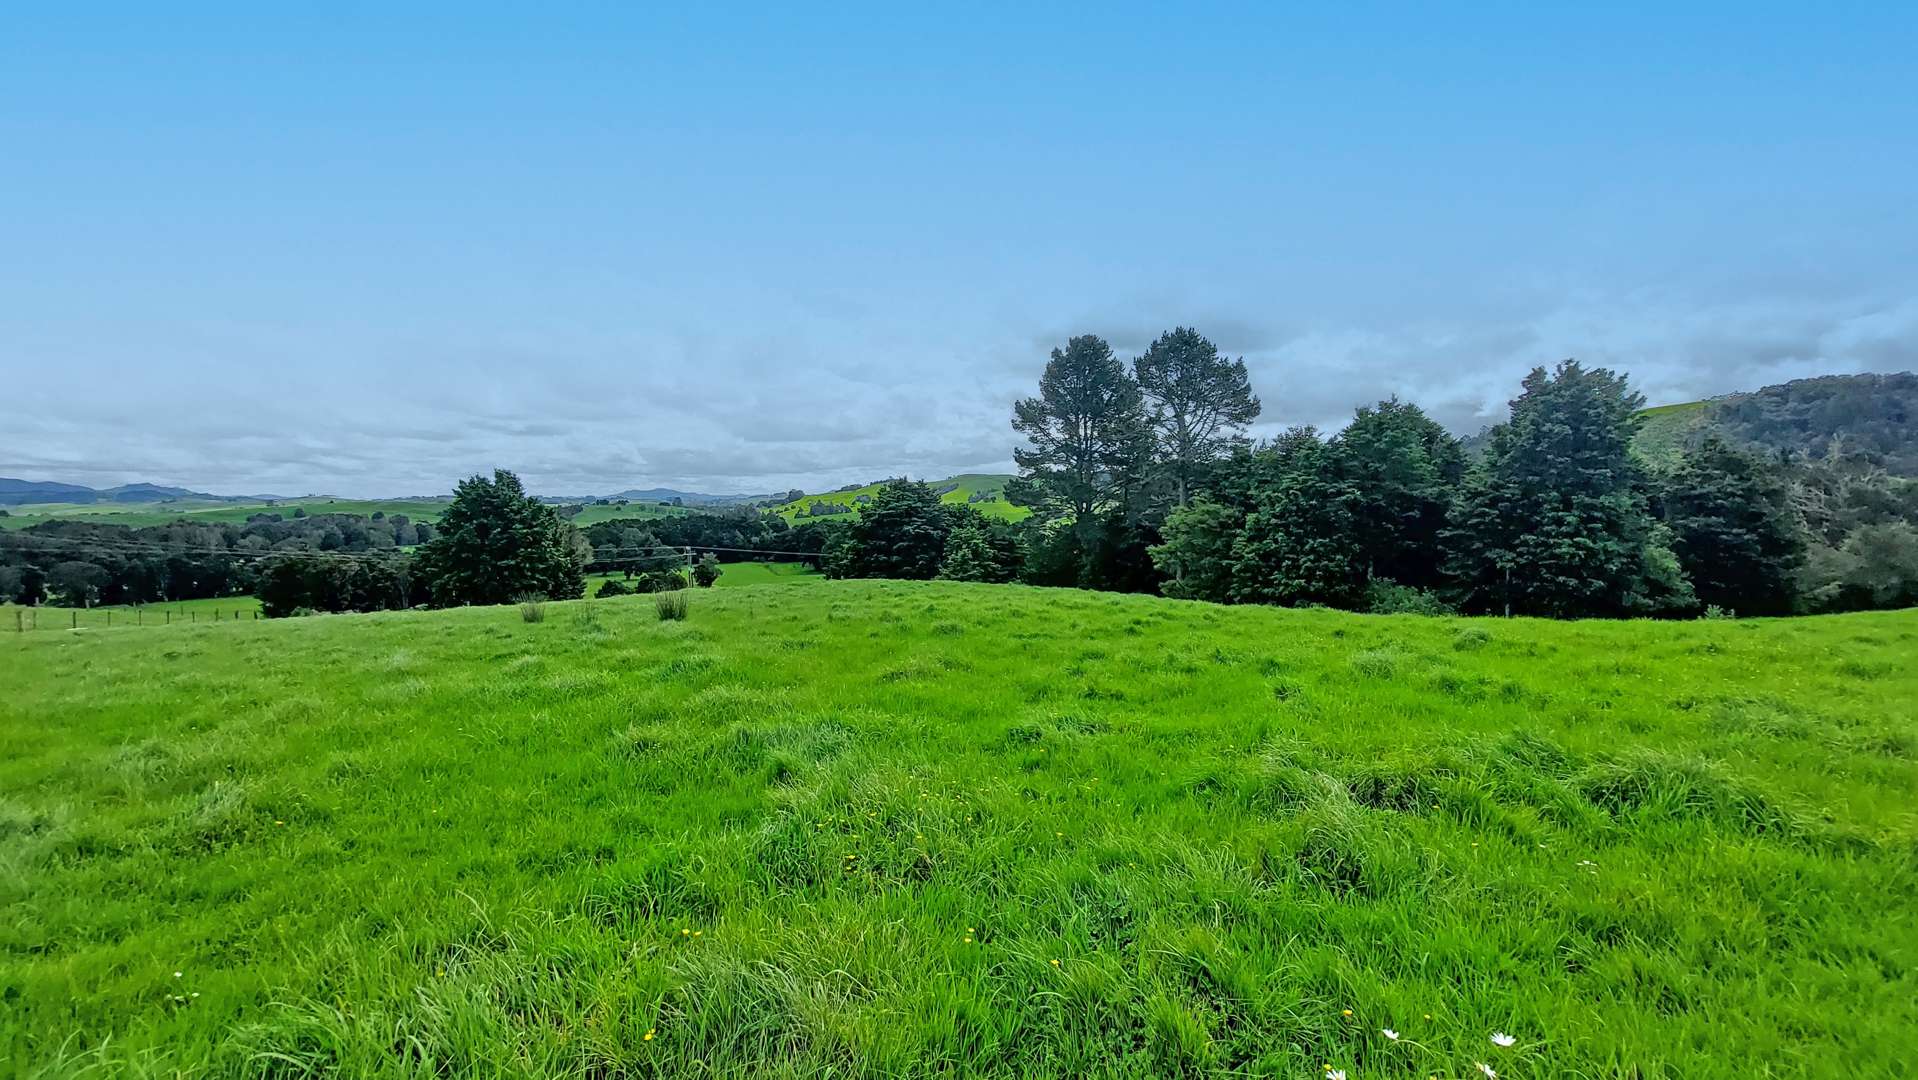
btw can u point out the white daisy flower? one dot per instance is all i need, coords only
(1487, 1070)
(1390, 1034)
(1335, 1074)
(1499, 1038)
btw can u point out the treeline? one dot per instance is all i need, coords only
(1141, 478)
(83, 564)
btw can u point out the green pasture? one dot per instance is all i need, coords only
(934, 829)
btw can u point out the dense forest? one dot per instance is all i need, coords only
(1140, 477)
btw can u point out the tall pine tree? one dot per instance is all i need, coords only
(1087, 441)
(1198, 404)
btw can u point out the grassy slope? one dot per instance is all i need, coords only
(966, 485)
(1664, 430)
(915, 827)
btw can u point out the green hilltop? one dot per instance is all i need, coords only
(984, 492)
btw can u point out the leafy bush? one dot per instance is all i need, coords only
(706, 571)
(671, 606)
(1386, 597)
(612, 587)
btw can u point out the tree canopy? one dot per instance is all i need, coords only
(497, 543)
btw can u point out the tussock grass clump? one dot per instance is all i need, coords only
(532, 608)
(1376, 663)
(1468, 638)
(1091, 835)
(671, 606)
(1681, 789)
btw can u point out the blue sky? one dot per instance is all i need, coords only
(368, 249)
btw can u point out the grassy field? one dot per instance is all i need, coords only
(890, 829)
(963, 488)
(763, 573)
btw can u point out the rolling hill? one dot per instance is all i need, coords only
(15, 492)
(985, 492)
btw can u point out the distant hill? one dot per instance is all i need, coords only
(21, 492)
(1860, 417)
(985, 492)
(689, 498)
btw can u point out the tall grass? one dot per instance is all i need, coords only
(891, 829)
(532, 607)
(671, 606)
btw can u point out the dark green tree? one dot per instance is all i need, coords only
(1196, 553)
(1554, 521)
(496, 543)
(979, 548)
(1733, 530)
(1197, 404)
(706, 571)
(33, 587)
(1404, 470)
(1087, 438)
(1299, 546)
(901, 533)
(76, 582)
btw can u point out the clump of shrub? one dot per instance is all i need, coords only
(706, 571)
(532, 607)
(612, 587)
(670, 605)
(1387, 597)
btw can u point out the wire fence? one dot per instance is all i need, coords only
(21, 619)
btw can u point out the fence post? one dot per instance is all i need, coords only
(169, 616)
(192, 616)
(76, 618)
(109, 616)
